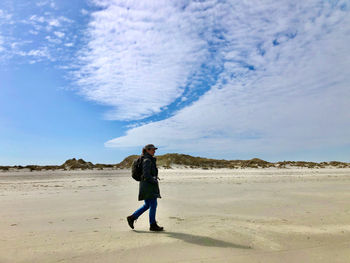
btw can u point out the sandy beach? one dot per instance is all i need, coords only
(240, 215)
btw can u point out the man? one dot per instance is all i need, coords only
(148, 188)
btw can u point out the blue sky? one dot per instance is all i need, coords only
(99, 79)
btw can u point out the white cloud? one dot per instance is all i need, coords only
(5, 21)
(53, 40)
(36, 55)
(47, 21)
(4, 16)
(54, 22)
(84, 12)
(36, 18)
(59, 34)
(1, 44)
(33, 32)
(39, 37)
(52, 4)
(284, 84)
(140, 56)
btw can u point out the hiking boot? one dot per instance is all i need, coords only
(155, 227)
(131, 220)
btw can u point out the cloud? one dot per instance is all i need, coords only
(84, 12)
(140, 56)
(36, 18)
(5, 21)
(283, 84)
(48, 22)
(54, 23)
(36, 55)
(5, 17)
(52, 4)
(59, 34)
(41, 36)
(1, 44)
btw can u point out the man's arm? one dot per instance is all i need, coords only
(146, 168)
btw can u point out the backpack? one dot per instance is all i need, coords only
(136, 168)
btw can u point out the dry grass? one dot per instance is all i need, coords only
(168, 160)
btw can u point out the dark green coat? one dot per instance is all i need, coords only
(149, 187)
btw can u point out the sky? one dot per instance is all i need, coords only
(99, 79)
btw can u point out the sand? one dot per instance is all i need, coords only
(241, 215)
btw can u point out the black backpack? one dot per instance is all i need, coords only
(136, 168)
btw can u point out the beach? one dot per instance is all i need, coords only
(215, 215)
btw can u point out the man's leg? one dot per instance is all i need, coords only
(152, 210)
(142, 209)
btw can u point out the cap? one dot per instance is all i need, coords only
(150, 146)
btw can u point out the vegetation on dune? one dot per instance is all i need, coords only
(72, 164)
(312, 164)
(171, 160)
(126, 163)
(187, 161)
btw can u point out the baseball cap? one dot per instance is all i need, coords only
(150, 146)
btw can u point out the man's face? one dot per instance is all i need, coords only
(151, 151)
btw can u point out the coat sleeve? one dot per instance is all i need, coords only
(146, 168)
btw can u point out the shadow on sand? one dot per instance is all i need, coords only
(194, 239)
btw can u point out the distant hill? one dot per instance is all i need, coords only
(70, 164)
(76, 164)
(187, 161)
(172, 160)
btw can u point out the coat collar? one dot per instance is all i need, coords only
(147, 155)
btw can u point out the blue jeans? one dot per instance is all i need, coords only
(152, 205)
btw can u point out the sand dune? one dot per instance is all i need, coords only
(221, 215)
